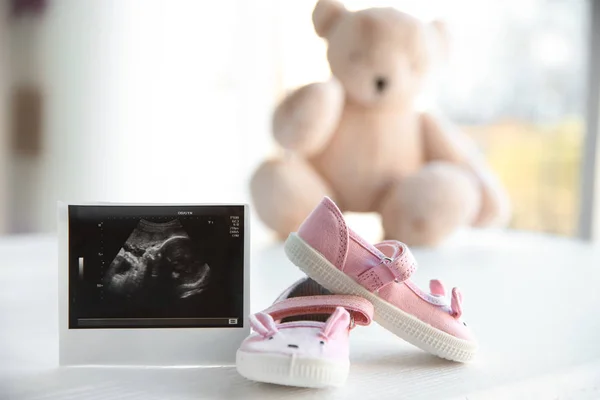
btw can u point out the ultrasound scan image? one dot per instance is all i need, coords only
(158, 259)
(155, 266)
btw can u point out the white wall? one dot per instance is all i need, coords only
(154, 101)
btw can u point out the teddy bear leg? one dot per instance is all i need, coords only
(422, 209)
(284, 192)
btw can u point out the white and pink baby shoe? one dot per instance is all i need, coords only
(303, 338)
(337, 258)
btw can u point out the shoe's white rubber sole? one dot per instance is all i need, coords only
(400, 323)
(288, 370)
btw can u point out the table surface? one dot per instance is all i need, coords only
(532, 300)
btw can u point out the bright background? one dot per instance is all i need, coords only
(170, 101)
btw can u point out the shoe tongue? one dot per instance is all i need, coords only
(307, 287)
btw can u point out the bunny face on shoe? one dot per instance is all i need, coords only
(301, 338)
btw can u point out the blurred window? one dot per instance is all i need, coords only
(515, 81)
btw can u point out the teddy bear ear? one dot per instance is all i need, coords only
(325, 15)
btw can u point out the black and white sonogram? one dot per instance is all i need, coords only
(158, 259)
(156, 266)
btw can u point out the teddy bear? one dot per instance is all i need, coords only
(361, 139)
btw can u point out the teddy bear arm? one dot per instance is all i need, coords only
(306, 119)
(444, 142)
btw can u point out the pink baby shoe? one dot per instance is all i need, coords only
(302, 339)
(336, 257)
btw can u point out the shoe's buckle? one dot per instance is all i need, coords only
(352, 322)
(383, 261)
(389, 259)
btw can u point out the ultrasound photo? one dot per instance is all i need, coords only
(158, 259)
(156, 266)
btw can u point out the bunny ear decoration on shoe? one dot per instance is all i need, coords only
(436, 287)
(456, 303)
(337, 323)
(263, 324)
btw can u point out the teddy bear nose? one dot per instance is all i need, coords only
(293, 346)
(380, 83)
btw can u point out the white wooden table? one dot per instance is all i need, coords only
(533, 301)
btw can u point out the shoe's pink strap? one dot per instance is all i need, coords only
(398, 266)
(360, 309)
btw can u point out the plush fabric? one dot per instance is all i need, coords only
(359, 138)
